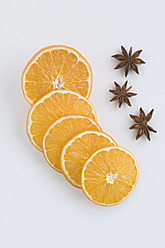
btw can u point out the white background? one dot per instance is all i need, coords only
(38, 207)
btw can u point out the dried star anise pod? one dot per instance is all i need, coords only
(122, 94)
(141, 124)
(128, 60)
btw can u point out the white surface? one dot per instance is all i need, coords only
(38, 207)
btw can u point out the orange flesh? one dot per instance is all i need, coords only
(52, 107)
(109, 176)
(56, 67)
(78, 150)
(59, 134)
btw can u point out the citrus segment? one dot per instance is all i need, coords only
(109, 175)
(46, 63)
(60, 132)
(40, 87)
(56, 67)
(78, 150)
(51, 107)
(70, 62)
(35, 73)
(59, 57)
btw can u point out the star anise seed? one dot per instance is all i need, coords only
(128, 60)
(141, 124)
(122, 94)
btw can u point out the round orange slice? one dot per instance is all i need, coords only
(109, 176)
(78, 150)
(60, 132)
(51, 107)
(56, 67)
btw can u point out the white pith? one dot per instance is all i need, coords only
(111, 177)
(57, 83)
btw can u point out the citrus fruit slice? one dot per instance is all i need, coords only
(51, 107)
(60, 132)
(109, 176)
(78, 150)
(56, 67)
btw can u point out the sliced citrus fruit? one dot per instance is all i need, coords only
(78, 150)
(109, 176)
(56, 67)
(60, 132)
(51, 107)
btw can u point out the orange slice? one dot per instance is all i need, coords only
(51, 107)
(56, 67)
(78, 150)
(60, 132)
(109, 176)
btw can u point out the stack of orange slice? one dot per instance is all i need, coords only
(62, 124)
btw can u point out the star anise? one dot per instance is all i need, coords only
(122, 94)
(128, 60)
(141, 124)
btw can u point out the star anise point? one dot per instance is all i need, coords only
(128, 60)
(141, 124)
(121, 94)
